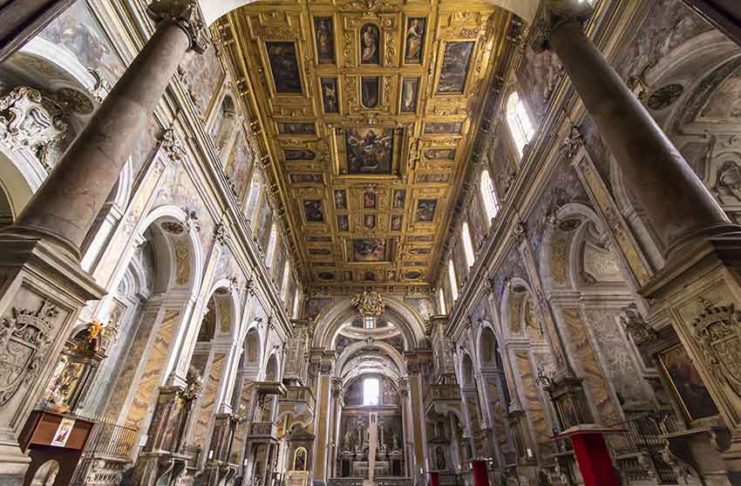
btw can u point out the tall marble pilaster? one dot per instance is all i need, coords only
(700, 284)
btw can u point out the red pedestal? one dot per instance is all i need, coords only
(480, 476)
(592, 455)
(434, 479)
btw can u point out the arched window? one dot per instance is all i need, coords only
(519, 122)
(467, 244)
(441, 302)
(452, 280)
(253, 197)
(271, 245)
(371, 391)
(284, 281)
(491, 205)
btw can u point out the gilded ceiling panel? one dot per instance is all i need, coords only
(368, 111)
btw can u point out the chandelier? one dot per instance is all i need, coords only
(369, 303)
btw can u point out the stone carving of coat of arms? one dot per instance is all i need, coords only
(719, 334)
(24, 339)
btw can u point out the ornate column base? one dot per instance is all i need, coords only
(700, 289)
(42, 291)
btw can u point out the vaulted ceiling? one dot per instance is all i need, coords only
(368, 111)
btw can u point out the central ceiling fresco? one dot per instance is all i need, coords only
(368, 111)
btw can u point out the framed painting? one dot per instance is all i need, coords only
(307, 178)
(340, 199)
(284, 67)
(454, 71)
(409, 95)
(439, 154)
(369, 150)
(370, 89)
(414, 41)
(687, 384)
(299, 154)
(400, 197)
(343, 222)
(369, 250)
(370, 42)
(296, 128)
(369, 200)
(443, 128)
(324, 35)
(313, 211)
(330, 98)
(426, 210)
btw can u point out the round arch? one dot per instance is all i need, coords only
(334, 317)
(358, 347)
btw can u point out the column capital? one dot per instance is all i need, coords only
(555, 14)
(186, 14)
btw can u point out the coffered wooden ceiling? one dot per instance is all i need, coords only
(368, 111)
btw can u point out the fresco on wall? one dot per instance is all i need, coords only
(203, 75)
(409, 95)
(324, 32)
(370, 38)
(239, 166)
(456, 59)
(284, 67)
(78, 31)
(538, 77)
(414, 42)
(423, 305)
(687, 384)
(370, 250)
(369, 150)
(315, 305)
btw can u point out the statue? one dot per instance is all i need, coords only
(395, 442)
(347, 441)
(440, 459)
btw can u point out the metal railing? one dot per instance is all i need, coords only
(110, 443)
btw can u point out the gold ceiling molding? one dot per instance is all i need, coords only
(368, 111)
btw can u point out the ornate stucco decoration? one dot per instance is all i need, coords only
(24, 340)
(556, 13)
(30, 120)
(369, 303)
(718, 332)
(185, 14)
(636, 326)
(172, 145)
(573, 142)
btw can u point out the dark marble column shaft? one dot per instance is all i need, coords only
(66, 205)
(675, 200)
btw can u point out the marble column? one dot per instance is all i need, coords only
(65, 206)
(699, 288)
(675, 200)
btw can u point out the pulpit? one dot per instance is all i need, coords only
(592, 454)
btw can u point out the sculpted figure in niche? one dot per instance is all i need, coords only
(729, 181)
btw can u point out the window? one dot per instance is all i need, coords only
(467, 244)
(369, 322)
(519, 122)
(441, 301)
(253, 196)
(452, 280)
(270, 253)
(371, 391)
(491, 205)
(284, 282)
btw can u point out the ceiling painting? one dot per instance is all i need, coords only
(368, 111)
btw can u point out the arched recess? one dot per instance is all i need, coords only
(581, 267)
(529, 353)
(334, 317)
(214, 9)
(210, 360)
(147, 311)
